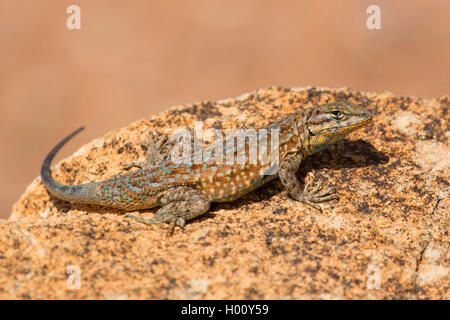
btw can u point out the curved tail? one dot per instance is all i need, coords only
(84, 193)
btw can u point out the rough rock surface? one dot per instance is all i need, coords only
(387, 236)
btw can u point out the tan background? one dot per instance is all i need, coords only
(133, 59)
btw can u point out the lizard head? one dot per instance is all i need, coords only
(329, 123)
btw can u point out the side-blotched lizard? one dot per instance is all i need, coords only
(185, 190)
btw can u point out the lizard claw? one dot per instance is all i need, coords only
(155, 154)
(129, 165)
(318, 194)
(180, 222)
(173, 222)
(312, 204)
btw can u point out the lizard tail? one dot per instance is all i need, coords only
(84, 193)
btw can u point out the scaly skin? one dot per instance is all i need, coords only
(185, 191)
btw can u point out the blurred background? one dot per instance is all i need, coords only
(133, 59)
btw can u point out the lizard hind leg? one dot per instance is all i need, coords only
(179, 204)
(155, 154)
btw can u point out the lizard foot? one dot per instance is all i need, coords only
(155, 154)
(319, 193)
(178, 204)
(173, 220)
(136, 164)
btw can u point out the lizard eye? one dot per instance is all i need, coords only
(336, 114)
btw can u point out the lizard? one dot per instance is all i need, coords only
(184, 191)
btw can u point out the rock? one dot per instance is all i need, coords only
(386, 238)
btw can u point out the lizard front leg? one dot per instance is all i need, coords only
(179, 204)
(287, 175)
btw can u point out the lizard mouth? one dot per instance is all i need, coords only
(353, 125)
